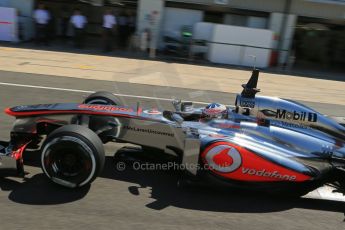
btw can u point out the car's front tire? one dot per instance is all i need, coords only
(72, 156)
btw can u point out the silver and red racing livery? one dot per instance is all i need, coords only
(258, 143)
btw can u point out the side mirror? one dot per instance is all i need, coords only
(177, 104)
(177, 118)
(187, 106)
(173, 117)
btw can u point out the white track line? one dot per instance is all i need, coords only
(45, 87)
(86, 91)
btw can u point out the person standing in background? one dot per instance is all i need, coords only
(51, 28)
(64, 21)
(133, 39)
(131, 23)
(41, 17)
(123, 29)
(109, 22)
(79, 23)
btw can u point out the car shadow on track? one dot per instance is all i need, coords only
(164, 190)
(38, 190)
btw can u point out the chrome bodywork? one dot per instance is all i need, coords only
(286, 135)
(289, 112)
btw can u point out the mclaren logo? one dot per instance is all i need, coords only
(296, 116)
(223, 158)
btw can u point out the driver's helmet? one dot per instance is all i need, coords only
(214, 110)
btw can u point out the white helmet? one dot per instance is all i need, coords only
(214, 110)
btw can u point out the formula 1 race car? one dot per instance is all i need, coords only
(261, 142)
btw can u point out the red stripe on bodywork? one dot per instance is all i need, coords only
(46, 112)
(6, 23)
(57, 112)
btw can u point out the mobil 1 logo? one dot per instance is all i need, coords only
(296, 116)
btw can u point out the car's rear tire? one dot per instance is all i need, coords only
(72, 156)
(103, 98)
(105, 127)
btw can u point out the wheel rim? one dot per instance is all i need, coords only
(68, 161)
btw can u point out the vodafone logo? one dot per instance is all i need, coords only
(222, 157)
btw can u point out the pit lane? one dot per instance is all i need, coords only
(143, 199)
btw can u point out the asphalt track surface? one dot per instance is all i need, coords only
(131, 199)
